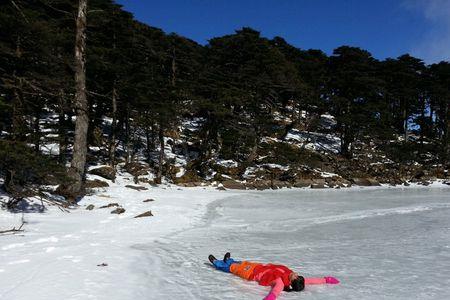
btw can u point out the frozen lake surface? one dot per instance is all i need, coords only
(388, 243)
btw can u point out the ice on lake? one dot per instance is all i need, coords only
(384, 243)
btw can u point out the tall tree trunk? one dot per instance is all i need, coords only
(77, 166)
(173, 69)
(127, 135)
(112, 140)
(161, 154)
(62, 128)
(405, 124)
(18, 121)
(423, 124)
(446, 136)
(37, 132)
(148, 149)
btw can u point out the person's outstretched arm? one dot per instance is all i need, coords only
(277, 288)
(321, 280)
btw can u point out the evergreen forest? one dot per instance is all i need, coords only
(83, 84)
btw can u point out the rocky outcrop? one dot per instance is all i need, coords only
(105, 172)
(96, 183)
(302, 182)
(191, 184)
(136, 187)
(137, 169)
(365, 182)
(231, 184)
(188, 177)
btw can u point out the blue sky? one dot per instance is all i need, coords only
(386, 28)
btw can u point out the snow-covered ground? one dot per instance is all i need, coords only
(382, 243)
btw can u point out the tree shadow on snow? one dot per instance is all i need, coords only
(26, 206)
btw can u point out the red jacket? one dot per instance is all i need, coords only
(266, 274)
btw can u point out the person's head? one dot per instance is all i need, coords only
(297, 283)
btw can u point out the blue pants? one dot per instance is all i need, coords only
(224, 266)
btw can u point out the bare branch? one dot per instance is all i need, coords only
(21, 12)
(95, 10)
(13, 230)
(97, 94)
(57, 9)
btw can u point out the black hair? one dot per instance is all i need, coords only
(297, 285)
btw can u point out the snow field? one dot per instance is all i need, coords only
(57, 255)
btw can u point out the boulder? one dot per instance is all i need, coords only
(136, 187)
(148, 200)
(373, 182)
(90, 207)
(318, 183)
(119, 210)
(189, 176)
(317, 186)
(365, 182)
(261, 185)
(190, 184)
(110, 205)
(234, 185)
(105, 172)
(343, 182)
(278, 184)
(300, 183)
(424, 183)
(146, 180)
(137, 169)
(145, 214)
(96, 183)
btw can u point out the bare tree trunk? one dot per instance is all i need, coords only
(173, 69)
(77, 167)
(112, 140)
(422, 122)
(161, 155)
(128, 136)
(405, 124)
(18, 122)
(446, 139)
(62, 130)
(37, 132)
(148, 149)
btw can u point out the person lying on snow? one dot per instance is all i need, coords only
(280, 277)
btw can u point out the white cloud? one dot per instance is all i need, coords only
(435, 45)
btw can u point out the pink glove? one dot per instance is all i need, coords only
(271, 296)
(331, 280)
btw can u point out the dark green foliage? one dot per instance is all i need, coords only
(21, 166)
(285, 154)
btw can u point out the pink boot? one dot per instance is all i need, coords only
(331, 280)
